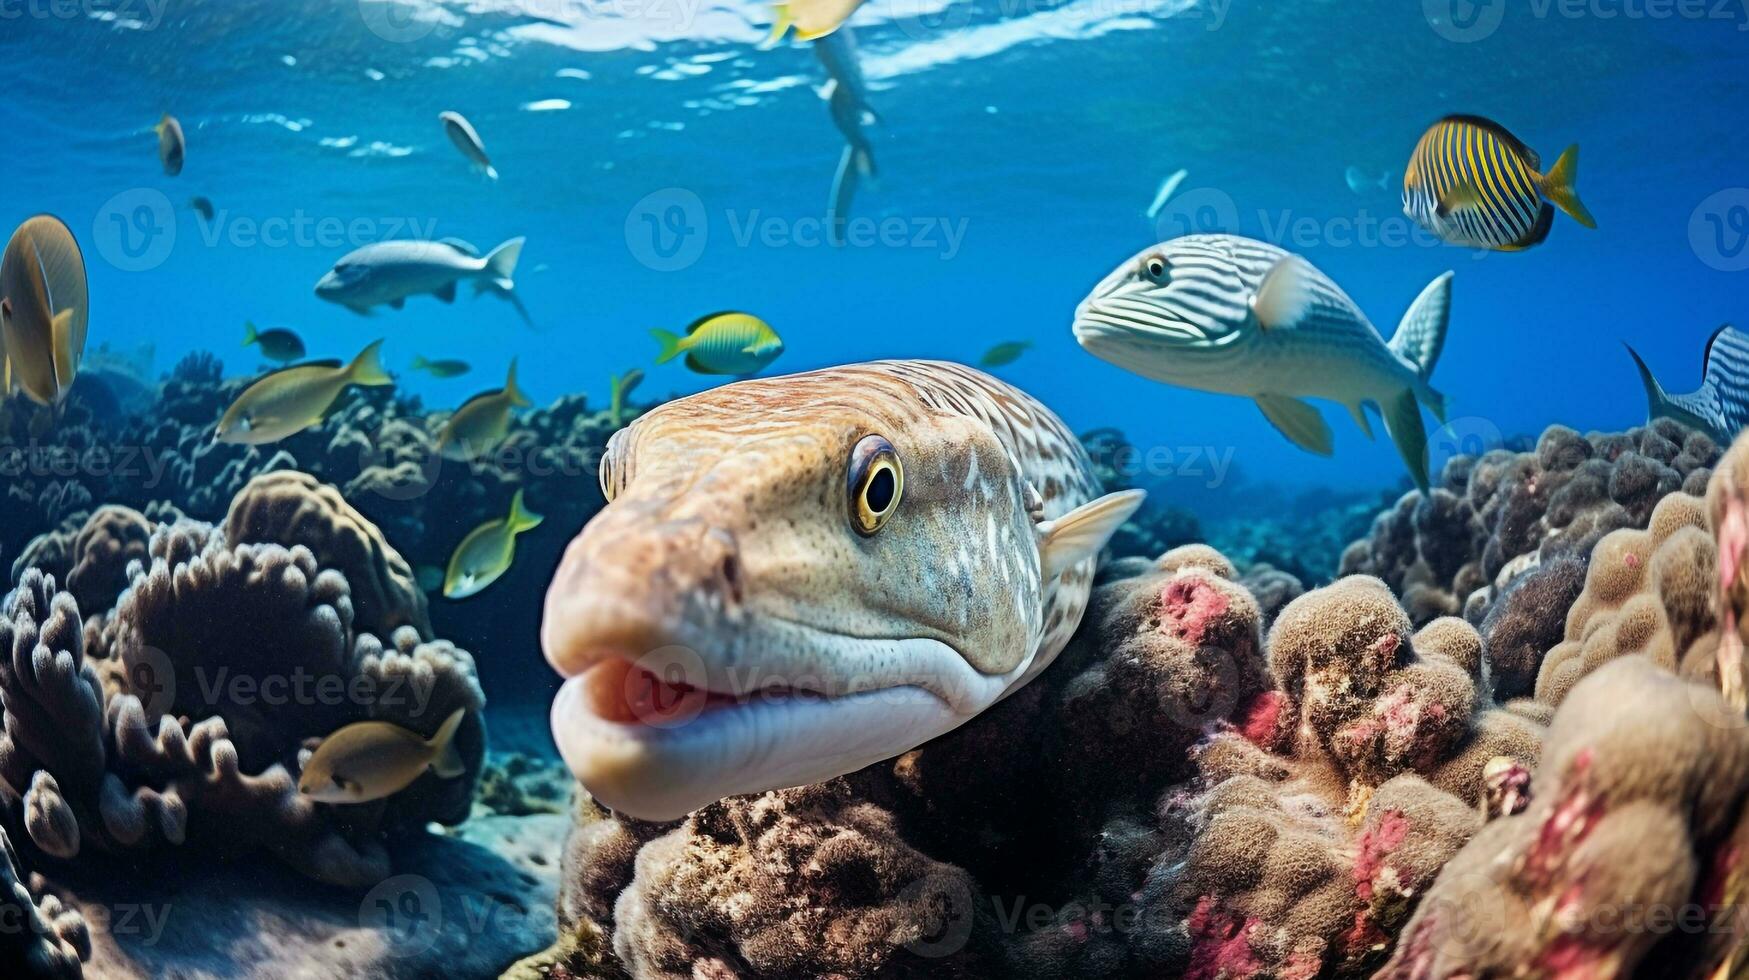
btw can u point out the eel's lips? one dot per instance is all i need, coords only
(657, 750)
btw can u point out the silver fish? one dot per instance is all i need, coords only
(462, 134)
(386, 273)
(1241, 317)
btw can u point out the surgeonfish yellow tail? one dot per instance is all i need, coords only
(367, 367)
(516, 395)
(1559, 187)
(521, 518)
(672, 345)
(447, 763)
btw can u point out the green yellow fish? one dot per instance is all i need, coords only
(622, 389)
(291, 400)
(722, 343)
(1004, 354)
(172, 147)
(44, 308)
(372, 760)
(277, 343)
(482, 422)
(441, 368)
(487, 551)
(1473, 183)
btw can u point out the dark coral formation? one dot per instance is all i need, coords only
(42, 937)
(181, 713)
(1216, 808)
(1488, 521)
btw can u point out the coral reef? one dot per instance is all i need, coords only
(42, 939)
(1212, 806)
(182, 713)
(1489, 520)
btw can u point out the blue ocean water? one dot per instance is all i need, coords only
(662, 166)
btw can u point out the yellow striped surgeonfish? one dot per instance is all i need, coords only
(1473, 183)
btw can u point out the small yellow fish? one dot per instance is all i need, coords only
(277, 343)
(371, 760)
(172, 147)
(812, 19)
(44, 309)
(289, 401)
(1002, 355)
(722, 343)
(441, 369)
(1471, 182)
(487, 551)
(482, 422)
(622, 389)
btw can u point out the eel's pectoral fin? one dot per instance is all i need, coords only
(1081, 533)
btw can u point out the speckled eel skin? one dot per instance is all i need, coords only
(797, 577)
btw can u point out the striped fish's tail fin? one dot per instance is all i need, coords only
(1657, 401)
(1420, 336)
(1558, 187)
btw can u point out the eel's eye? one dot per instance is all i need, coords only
(877, 481)
(1155, 267)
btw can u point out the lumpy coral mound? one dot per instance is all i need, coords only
(180, 714)
(1173, 797)
(1492, 518)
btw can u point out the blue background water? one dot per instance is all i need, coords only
(1041, 130)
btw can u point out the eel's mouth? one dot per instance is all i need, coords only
(661, 735)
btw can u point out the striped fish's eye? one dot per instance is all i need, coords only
(876, 482)
(1156, 268)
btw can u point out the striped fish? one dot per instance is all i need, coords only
(1473, 183)
(1720, 406)
(1241, 317)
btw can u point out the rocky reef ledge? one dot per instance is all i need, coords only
(1353, 793)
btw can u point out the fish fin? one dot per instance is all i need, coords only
(864, 160)
(1462, 196)
(162, 124)
(249, 334)
(66, 361)
(446, 292)
(491, 172)
(780, 25)
(501, 265)
(671, 345)
(1657, 401)
(1358, 410)
(420, 363)
(802, 35)
(448, 763)
(1081, 533)
(398, 303)
(515, 394)
(367, 367)
(360, 310)
(1421, 335)
(1558, 186)
(844, 181)
(1402, 417)
(521, 518)
(1303, 425)
(1285, 294)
